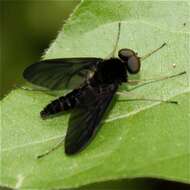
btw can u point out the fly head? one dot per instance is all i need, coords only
(131, 60)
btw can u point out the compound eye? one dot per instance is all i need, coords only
(133, 65)
(125, 54)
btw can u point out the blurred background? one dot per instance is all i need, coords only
(27, 27)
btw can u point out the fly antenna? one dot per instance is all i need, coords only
(152, 52)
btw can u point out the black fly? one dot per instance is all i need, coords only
(95, 81)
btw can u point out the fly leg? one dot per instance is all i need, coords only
(27, 88)
(60, 143)
(151, 80)
(145, 99)
(46, 91)
(116, 42)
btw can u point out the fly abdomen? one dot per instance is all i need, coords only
(63, 103)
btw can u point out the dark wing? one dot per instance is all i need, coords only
(86, 117)
(60, 73)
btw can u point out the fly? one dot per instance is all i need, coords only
(95, 81)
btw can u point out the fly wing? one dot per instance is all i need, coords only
(86, 117)
(63, 73)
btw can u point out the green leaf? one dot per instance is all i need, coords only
(137, 139)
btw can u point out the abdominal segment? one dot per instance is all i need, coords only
(63, 103)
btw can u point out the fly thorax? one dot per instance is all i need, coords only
(111, 71)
